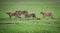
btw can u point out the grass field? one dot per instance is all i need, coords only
(18, 25)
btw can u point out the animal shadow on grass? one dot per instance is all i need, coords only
(51, 22)
(57, 18)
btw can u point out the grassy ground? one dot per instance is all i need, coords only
(18, 25)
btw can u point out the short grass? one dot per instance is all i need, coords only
(18, 25)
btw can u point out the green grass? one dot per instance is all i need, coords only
(30, 26)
